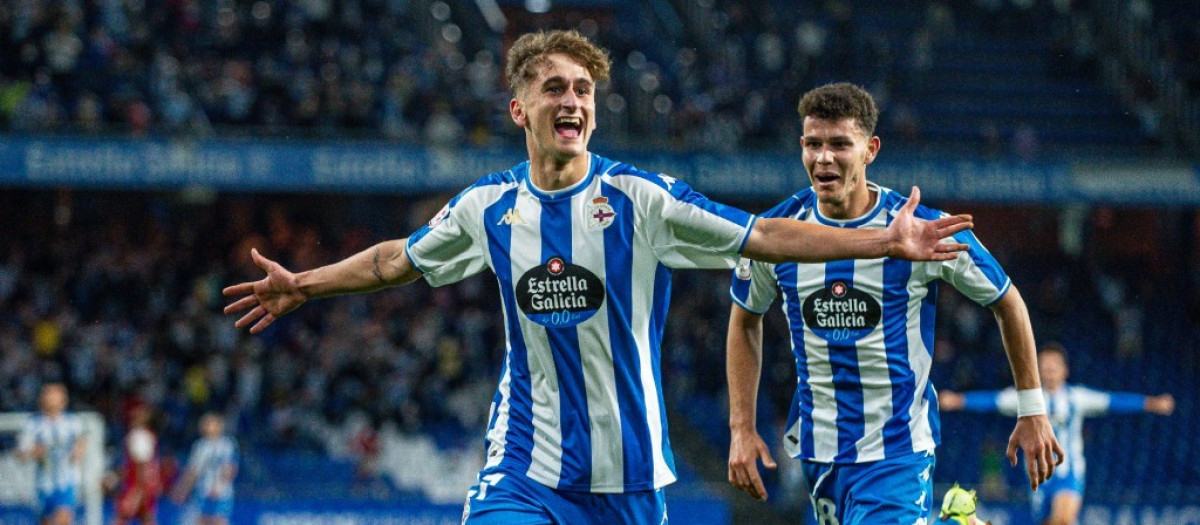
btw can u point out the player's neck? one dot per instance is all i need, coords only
(854, 206)
(552, 174)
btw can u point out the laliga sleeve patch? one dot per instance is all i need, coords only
(743, 269)
(559, 294)
(440, 216)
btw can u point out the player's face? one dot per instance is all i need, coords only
(1053, 369)
(836, 154)
(211, 426)
(557, 109)
(53, 399)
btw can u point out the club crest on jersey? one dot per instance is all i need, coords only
(599, 214)
(439, 216)
(559, 294)
(841, 314)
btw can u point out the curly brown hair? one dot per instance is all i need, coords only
(530, 51)
(839, 101)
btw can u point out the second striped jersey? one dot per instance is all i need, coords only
(862, 336)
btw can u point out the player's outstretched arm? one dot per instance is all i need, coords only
(1033, 434)
(907, 237)
(282, 291)
(743, 354)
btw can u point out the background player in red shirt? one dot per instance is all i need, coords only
(141, 480)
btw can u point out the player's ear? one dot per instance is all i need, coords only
(516, 110)
(873, 145)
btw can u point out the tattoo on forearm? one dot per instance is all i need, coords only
(376, 271)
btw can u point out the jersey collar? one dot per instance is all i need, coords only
(569, 191)
(857, 221)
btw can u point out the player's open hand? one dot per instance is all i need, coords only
(1035, 437)
(920, 240)
(268, 299)
(745, 449)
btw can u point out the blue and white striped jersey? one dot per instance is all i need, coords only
(862, 335)
(1066, 407)
(58, 435)
(209, 457)
(585, 280)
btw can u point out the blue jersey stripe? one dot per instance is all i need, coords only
(635, 431)
(847, 381)
(928, 314)
(519, 444)
(658, 321)
(564, 346)
(897, 438)
(497, 399)
(802, 404)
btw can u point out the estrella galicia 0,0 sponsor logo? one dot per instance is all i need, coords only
(841, 314)
(559, 294)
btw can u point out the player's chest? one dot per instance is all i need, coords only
(847, 300)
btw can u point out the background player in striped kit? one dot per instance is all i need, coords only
(54, 439)
(209, 474)
(583, 249)
(1061, 497)
(864, 418)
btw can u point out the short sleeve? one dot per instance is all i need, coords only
(975, 272)
(194, 459)
(754, 285)
(444, 250)
(687, 230)
(234, 456)
(77, 427)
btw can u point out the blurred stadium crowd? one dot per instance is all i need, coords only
(118, 294)
(431, 71)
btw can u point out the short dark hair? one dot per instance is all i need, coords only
(1054, 348)
(531, 50)
(839, 101)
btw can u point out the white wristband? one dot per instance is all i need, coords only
(1030, 402)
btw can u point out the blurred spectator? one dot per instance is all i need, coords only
(1025, 142)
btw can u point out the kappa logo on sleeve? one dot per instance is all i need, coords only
(743, 269)
(512, 216)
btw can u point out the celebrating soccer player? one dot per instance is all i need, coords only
(583, 248)
(1059, 501)
(863, 420)
(54, 439)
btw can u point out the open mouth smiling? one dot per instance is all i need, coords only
(569, 127)
(826, 178)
